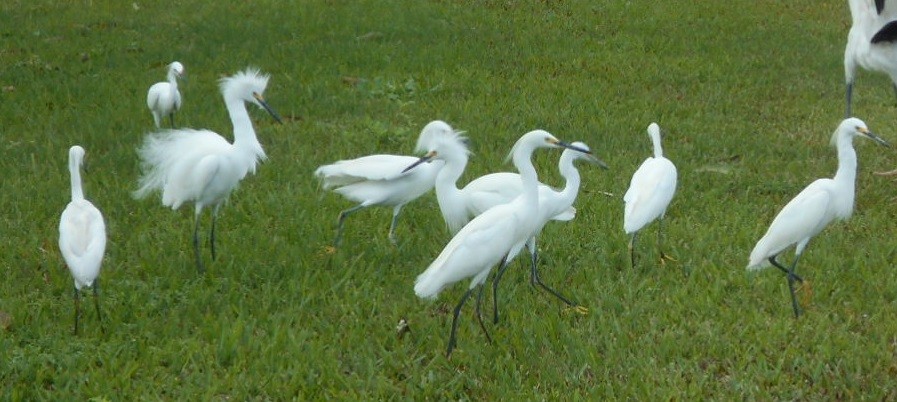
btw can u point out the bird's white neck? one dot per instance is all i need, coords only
(847, 161)
(447, 193)
(75, 177)
(244, 133)
(860, 10)
(571, 174)
(173, 79)
(528, 175)
(658, 149)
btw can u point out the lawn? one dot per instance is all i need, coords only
(747, 92)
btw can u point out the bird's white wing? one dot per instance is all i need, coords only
(490, 190)
(372, 167)
(82, 240)
(803, 217)
(650, 192)
(473, 251)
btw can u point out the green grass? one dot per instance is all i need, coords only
(752, 89)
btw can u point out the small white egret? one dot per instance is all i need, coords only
(200, 165)
(871, 42)
(814, 208)
(494, 236)
(163, 98)
(650, 192)
(378, 180)
(458, 206)
(82, 237)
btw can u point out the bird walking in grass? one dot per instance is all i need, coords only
(459, 206)
(200, 166)
(164, 98)
(871, 42)
(379, 180)
(823, 201)
(82, 237)
(650, 192)
(495, 236)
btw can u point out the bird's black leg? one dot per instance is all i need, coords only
(77, 308)
(196, 251)
(894, 85)
(775, 263)
(212, 233)
(663, 256)
(96, 303)
(339, 226)
(849, 95)
(480, 316)
(392, 225)
(501, 272)
(171, 117)
(452, 340)
(632, 249)
(791, 278)
(534, 275)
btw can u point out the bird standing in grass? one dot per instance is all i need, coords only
(871, 42)
(650, 192)
(814, 208)
(200, 166)
(494, 236)
(82, 237)
(458, 206)
(163, 98)
(378, 180)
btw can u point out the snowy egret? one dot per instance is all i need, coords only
(458, 206)
(650, 192)
(871, 42)
(163, 98)
(379, 180)
(200, 165)
(814, 208)
(494, 236)
(82, 237)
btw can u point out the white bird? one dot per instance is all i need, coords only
(378, 180)
(650, 192)
(871, 42)
(494, 236)
(82, 237)
(814, 208)
(200, 166)
(163, 98)
(458, 206)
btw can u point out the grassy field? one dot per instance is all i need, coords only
(748, 93)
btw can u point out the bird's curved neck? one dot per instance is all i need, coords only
(173, 79)
(75, 176)
(523, 162)
(244, 133)
(658, 149)
(847, 161)
(571, 174)
(447, 193)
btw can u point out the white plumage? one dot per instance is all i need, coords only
(871, 42)
(200, 166)
(814, 208)
(379, 180)
(650, 191)
(82, 235)
(164, 98)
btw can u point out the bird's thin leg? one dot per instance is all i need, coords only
(342, 218)
(632, 249)
(212, 232)
(392, 225)
(452, 340)
(791, 278)
(663, 256)
(480, 316)
(96, 303)
(171, 116)
(498, 274)
(77, 308)
(775, 263)
(534, 275)
(196, 251)
(849, 95)
(894, 85)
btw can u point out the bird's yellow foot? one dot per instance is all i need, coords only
(581, 310)
(806, 292)
(664, 258)
(328, 250)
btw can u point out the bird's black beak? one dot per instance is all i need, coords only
(876, 138)
(573, 147)
(591, 158)
(264, 104)
(423, 159)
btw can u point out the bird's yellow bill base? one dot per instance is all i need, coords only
(581, 310)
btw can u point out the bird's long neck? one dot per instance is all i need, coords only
(524, 164)
(860, 10)
(847, 162)
(571, 174)
(75, 177)
(447, 193)
(173, 80)
(244, 134)
(658, 149)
